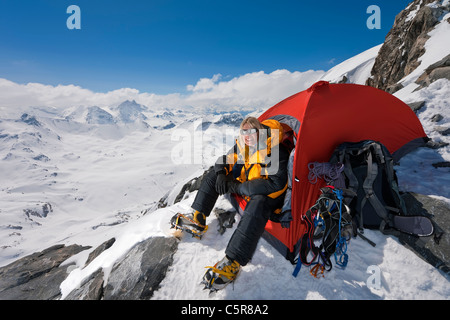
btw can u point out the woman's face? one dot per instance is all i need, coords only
(249, 135)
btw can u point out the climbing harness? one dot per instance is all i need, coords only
(331, 215)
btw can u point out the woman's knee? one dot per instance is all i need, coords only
(257, 206)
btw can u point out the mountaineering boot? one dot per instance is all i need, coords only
(223, 273)
(199, 218)
(193, 223)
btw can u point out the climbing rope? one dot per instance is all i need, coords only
(330, 172)
(340, 255)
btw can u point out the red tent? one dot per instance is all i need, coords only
(324, 116)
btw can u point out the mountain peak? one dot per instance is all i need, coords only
(129, 103)
(130, 111)
(30, 120)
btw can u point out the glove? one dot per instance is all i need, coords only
(221, 184)
(233, 187)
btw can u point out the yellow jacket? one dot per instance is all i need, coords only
(251, 166)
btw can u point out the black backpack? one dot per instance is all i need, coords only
(369, 173)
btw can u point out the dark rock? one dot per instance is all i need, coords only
(394, 87)
(434, 249)
(104, 246)
(170, 125)
(436, 145)
(37, 276)
(141, 271)
(90, 289)
(30, 120)
(41, 157)
(343, 80)
(191, 186)
(445, 131)
(135, 277)
(438, 70)
(416, 106)
(436, 118)
(42, 212)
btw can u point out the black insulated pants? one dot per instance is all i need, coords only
(258, 210)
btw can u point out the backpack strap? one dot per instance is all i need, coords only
(352, 180)
(390, 174)
(307, 241)
(372, 173)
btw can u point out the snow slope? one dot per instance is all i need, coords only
(85, 175)
(269, 275)
(355, 70)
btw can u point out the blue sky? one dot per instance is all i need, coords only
(163, 46)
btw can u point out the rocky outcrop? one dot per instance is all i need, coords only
(134, 277)
(37, 276)
(138, 275)
(404, 44)
(438, 70)
(434, 249)
(191, 186)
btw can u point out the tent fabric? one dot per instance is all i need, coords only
(324, 116)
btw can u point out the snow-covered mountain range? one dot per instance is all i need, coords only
(86, 174)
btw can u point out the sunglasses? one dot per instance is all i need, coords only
(248, 131)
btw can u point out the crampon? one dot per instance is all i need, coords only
(220, 275)
(185, 223)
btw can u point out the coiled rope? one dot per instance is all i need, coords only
(330, 172)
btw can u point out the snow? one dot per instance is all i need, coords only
(356, 69)
(103, 172)
(421, 160)
(413, 12)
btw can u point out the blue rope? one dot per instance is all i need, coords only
(297, 268)
(340, 254)
(341, 243)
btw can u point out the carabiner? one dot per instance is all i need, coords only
(315, 270)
